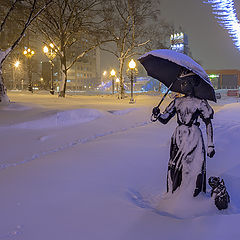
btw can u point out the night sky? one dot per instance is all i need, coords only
(209, 43)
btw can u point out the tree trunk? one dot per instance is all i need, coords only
(63, 76)
(122, 89)
(4, 100)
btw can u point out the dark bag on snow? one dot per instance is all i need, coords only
(219, 192)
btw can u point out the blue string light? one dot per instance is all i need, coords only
(224, 11)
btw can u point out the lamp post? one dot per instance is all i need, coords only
(28, 54)
(113, 74)
(16, 65)
(117, 81)
(104, 74)
(132, 67)
(50, 52)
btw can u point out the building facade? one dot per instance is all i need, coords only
(179, 43)
(224, 79)
(85, 74)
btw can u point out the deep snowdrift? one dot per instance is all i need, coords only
(102, 174)
(62, 119)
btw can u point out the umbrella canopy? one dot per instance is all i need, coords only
(165, 65)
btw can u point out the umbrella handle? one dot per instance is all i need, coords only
(153, 118)
(165, 94)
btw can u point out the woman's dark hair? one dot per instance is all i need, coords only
(193, 79)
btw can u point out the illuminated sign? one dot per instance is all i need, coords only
(213, 76)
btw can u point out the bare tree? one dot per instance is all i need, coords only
(128, 22)
(71, 25)
(34, 12)
(159, 36)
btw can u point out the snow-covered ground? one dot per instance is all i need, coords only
(94, 167)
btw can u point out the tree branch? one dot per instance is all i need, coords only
(28, 22)
(107, 50)
(85, 52)
(7, 15)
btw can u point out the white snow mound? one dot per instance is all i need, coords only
(123, 112)
(14, 107)
(62, 119)
(230, 113)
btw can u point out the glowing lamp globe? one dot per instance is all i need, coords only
(16, 64)
(45, 49)
(132, 64)
(113, 73)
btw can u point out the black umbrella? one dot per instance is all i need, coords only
(166, 65)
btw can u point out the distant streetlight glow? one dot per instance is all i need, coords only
(16, 64)
(45, 49)
(118, 81)
(28, 54)
(132, 67)
(132, 64)
(15, 69)
(104, 73)
(51, 53)
(113, 73)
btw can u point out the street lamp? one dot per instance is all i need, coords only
(117, 81)
(28, 54)
(104, 76)
(113, 74)
(51, 53)
(16, 65)
(132, 67)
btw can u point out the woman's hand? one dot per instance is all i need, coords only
(210, 151)
(156, 111)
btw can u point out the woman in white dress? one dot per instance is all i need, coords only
(187, 163)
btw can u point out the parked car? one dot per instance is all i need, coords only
(218, 95)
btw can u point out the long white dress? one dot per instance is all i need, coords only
(187, 163)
